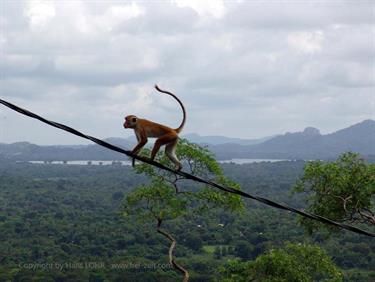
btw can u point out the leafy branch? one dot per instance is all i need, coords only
(168, 196)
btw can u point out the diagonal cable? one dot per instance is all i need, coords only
(188, 175)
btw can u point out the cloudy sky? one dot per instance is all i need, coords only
(243, 68)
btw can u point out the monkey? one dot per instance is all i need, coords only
(165, 135)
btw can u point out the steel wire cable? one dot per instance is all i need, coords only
(188, 175)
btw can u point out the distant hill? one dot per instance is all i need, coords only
(217, 140)
(308, 144)
(24, 151)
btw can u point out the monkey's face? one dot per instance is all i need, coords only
(130, 121)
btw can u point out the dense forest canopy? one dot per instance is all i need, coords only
(71, 216)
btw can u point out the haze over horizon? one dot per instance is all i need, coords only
(196, 135)
(243, 69)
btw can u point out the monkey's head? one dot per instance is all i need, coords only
(130, 121)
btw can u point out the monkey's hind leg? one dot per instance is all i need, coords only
(165, 139)
(170, 151)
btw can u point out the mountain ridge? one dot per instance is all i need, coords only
(310, 144)
(306, 144)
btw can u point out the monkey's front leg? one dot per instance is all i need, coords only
(137, 148)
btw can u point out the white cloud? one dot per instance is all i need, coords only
(117, 14)
(306, 42)
(213, 8)
(39, 13)
(266, 66)
(19, 62)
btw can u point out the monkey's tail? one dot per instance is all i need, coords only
(178, 130)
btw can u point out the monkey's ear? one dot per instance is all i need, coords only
(134, 119)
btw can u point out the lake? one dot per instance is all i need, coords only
(98, 162)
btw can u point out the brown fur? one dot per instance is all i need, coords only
(165, 135)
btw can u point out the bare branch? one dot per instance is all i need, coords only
(170, 252)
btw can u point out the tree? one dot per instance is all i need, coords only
(342, 190)
(168, 197)
(194, 242)
(293, 263)
(217, 252)
(244, 250)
